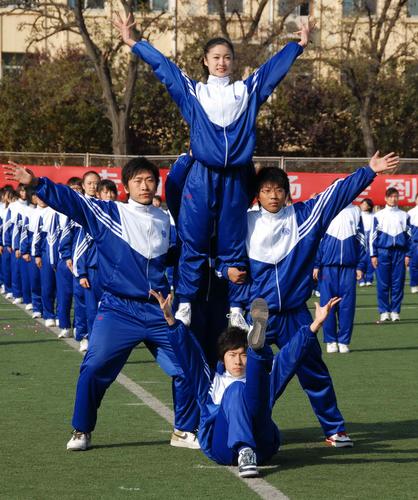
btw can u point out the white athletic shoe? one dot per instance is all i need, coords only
(414, 289)
(84, 345)
(184, 313)
(2, 289)
(332, 347)
(317, 293)
(369, 283)
(384, 317)
(49, 322)
(339, 440)
(65, 333)
(237, 319)
(9, 295)
(36, 315)
(182, 439)
(361, 284)
(247, 463)
(395, 316)
(80, 441)
(57, 322)
(343, 348)
(260, 315)
(18, 300)
(28, 307)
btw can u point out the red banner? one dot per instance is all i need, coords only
(302, 185)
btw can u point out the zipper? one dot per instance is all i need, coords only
(341, 253)
(149, 249)
(226, 147)
(278, 288)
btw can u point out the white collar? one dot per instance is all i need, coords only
(139, 206)
(220, 81)
(271, 215)
(226, 374)
(392, 209)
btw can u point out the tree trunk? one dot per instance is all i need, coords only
(366, 127)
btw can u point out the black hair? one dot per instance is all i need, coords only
(135, 165)
(272, 175)
(213, 42)
(232, 338)
(89, 173)
(107, 184)
(390, 191)
(74, 181)
(369, 202)
(30, 191)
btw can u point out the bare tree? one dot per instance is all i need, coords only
(372, 44)
(117, 80)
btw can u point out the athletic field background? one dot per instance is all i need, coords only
(377, 391)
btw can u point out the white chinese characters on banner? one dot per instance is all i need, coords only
(408, 188)
(295, 188)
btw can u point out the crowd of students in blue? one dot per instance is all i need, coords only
(254, 267)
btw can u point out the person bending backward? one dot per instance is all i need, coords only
(222, 115)
(390, 242)
(281, 244)
(133, 245)
(413, 262)
(236, 400)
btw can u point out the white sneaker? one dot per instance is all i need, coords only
(184, 313)
(395, 316)
(237, 319)
(84, 345)
(247, 463)
(28, 307)
(9, 295)
(57, 322)
(332, 347)
(2, 289)
(49, 322)
(65, 333)
(80, 441)
(260, 315)
(181, 439)
(343, 348)
(339, 440)
(384, 317)
(414, 289)
(18, 300)
(369, 283)
(362, 284)
(317, 293)
(36, 315)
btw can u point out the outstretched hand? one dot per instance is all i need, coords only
(305, 31)
(15, 172)
(124, 25)
(384, 164)
(165, 305)
(321, 313)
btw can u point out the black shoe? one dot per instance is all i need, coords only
(260, 315)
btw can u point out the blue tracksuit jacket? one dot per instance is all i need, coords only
(413, 266)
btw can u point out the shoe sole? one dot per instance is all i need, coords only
(260, 315)
(336, 444)
(184, 444)
(249, 473)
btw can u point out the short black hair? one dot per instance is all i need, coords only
(272, 175)
(135, 165)
(390, 191)
(74, 181)
(369, 203)
(108, 185)
(90, 172)
(232, 338)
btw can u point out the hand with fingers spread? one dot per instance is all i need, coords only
(165, 305)
(15, 172)
(321, 313)
(385, 164)
(305, 32)
(124, 25)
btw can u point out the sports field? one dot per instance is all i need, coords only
(376, 386)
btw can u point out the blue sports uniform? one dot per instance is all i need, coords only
(6, 256)
(413, 263)
(222, 117)
(342, 251)
(390, 243)
(132, 248)
(367, 218)
(281, 248)
(236, 412)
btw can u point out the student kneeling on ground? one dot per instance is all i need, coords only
(236, 401)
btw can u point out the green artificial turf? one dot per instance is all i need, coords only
(376, 386)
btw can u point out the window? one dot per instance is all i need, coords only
(294, 7)
(356, 7)
(412, 7)
(12, 62)
(230, 6)
(159, 4)
(87, 4)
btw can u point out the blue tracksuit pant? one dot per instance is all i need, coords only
(48, 288)
(252, 425)
(213, 201)
(313, 374)
(35, 286)
(7, 273)
(1, 270)
(64, 294)
(92, 297)
(16, 276)
(120, 325)
(368, 275)
(390, 275)
(25, 277)
(338, 281)
(80, 316)
(413, 264)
